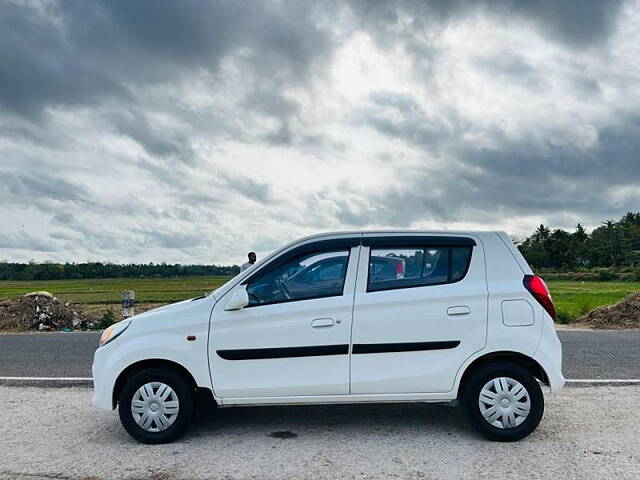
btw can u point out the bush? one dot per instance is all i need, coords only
(584, 308)
(108, 319)
(606, 276)
(563, 317)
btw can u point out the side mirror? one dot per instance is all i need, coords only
(239, 299)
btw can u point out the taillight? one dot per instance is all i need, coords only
(399, 270)
(536, 286)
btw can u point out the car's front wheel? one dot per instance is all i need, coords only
(156, 405)
(503, 401)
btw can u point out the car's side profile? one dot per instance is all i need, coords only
(455, 317)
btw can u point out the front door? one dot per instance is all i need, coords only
(420, 311)
(293, 337)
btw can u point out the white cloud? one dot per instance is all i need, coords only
(242, 132)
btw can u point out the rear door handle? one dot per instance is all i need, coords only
(459, 310)
(322, 322)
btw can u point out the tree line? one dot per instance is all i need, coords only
(612, 244)
(60, 271)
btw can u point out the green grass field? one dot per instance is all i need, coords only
(109, 290)
(572, 299)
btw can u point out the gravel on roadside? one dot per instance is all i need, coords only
(586, 433)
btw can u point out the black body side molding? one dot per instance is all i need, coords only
(322, 350)
(283, 352)
(402, 347)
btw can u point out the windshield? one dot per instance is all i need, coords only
(228, 282)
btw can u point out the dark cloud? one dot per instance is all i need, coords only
(247, 187)
(82, 53)
(158, 142)
(207, 126)
(26, 241)
(40, 187)
(180, 240)
(399, 115)
(576, 23)
(515, 69)
(63, 218)
(524, 176)
(40, 66)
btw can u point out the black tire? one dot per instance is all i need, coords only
(471, 395)
(181, 388)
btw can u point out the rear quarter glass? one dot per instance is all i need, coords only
(421, 266)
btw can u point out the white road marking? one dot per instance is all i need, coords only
(50, 379)
(603, 380)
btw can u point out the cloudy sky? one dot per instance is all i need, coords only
(196, 131)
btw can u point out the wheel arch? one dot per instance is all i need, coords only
(525, 361)
(203, 395)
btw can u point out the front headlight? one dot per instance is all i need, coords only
(113, 332)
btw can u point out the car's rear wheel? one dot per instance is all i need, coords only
(503, 401)
(156, 405)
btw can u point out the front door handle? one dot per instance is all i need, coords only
(322, 322)
(459, 310)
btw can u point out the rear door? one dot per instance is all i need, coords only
(414, 327)
(293, 338)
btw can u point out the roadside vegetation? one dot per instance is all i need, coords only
(573, 299)
(71, 271)
(614, 247)
(108, 291)
(89, 304)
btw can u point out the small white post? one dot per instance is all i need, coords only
(128, 303)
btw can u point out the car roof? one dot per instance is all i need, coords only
(348, 233)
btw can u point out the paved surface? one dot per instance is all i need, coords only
(601, 353)
(586, 433)
(48, 354)
(587, 354)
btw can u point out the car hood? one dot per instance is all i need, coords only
(173, 308)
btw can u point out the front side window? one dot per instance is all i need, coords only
(309, 276)
(400, 267)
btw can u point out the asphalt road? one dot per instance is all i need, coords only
(587, 354)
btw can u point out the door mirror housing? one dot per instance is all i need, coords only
(239, 299)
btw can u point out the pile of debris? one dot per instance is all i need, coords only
(40, 311)
(624, 314)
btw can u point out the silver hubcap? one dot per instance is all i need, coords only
(504, 402)
(155, 406)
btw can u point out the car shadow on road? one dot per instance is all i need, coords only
(287, 422)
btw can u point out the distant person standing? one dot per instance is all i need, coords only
(252, 260)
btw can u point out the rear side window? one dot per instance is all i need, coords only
(398, 267)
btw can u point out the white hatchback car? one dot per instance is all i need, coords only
(455, 317)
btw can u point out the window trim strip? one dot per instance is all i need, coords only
(329, 245)
(417, 241)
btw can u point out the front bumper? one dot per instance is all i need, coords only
(107, 365)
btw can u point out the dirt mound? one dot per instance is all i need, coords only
(40, 311)
(624, 314)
